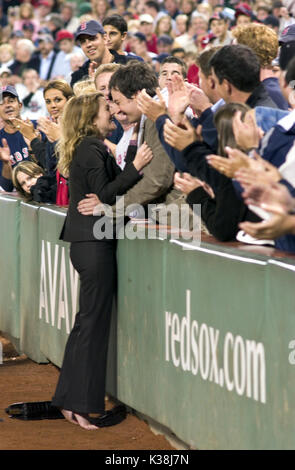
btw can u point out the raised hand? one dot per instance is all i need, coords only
(5, 152)
(179, 137)
(150, 107)
(229, 166)
(198, 101)
(26, 128)
(49, 128)
(247, 133)
(259, 171)
(178, 99)
(273, 198)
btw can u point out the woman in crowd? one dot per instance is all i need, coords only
(164, 26)
(221, 212)
(84, 159)
(56, 94)
(33, 184)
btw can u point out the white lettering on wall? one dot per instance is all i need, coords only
(194, 348)
(59, 284)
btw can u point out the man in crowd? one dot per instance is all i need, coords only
(115, 28)
(91, 36)
(264, 42)
(13, 148)
(43, 61)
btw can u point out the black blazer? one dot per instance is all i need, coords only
(93, 170)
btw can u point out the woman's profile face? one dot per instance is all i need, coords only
(55, 102)
(27, 181)
(103, 120)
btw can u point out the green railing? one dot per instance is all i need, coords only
(202, 339)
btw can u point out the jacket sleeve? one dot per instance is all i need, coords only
(157, 175)
(91, 157)
(39, 150)
(175, 156)
(222, 214)
(195, 158)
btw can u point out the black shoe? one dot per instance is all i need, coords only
(34, 410)
(111, 417)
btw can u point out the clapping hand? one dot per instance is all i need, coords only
(178, 99)
(179, 137)
(49, 128)
(275, 227)
(259, 171)
(26, 128)
(150, 107)
(273, 198)
(229, 166)
(186, 183)
(247, 134)
(5, 152)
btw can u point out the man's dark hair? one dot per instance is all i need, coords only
(203, 60)
(153, 4)
(287, 52)
(117, 21)
(290, 74)
(133, 77)
(239, 65)
(175, 60)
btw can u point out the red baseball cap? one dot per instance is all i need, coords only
(64, 34)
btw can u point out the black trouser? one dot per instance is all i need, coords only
(81, 385)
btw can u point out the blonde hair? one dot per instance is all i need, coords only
(261, 39)
(106, 68)
(84, 87)
(7, 47)
(76, 123)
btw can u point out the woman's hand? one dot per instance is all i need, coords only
(186, 183)
(51, 129)
(86, 206)
(229, 166)
(143, 156)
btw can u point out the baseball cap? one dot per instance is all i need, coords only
(139, 36)
(271, 21)
(89, 28)
(243, 9)
(28, 26)
(84, 8)
(288, 34)
(146, 18)
(165, 39)
(161, 57)
(43, 2)
(64, 34)
(9, 90)
(45, 38)
(217, 16)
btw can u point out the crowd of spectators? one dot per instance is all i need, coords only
(208, 86)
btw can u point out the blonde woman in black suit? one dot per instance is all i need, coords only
(85, 160)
